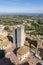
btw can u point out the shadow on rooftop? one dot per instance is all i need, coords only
(15, 51)
(34, 42)
(10, 38)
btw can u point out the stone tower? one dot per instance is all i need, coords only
(18, 35)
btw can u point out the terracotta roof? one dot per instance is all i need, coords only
(23, 50)
(5, 42)
(25, 63)
(12, 57)
(30, 60)
(26, 43)
(3, 34)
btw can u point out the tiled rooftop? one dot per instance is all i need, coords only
(30, 60)
(3, 34)
(26, 43)
(23, 50)
(12, 57)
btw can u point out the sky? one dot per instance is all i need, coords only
(21, 6)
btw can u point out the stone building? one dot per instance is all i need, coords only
(18, 35)
(39, 49)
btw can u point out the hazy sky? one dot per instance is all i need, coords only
(21, 6)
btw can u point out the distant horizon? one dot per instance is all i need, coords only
(22, 14)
